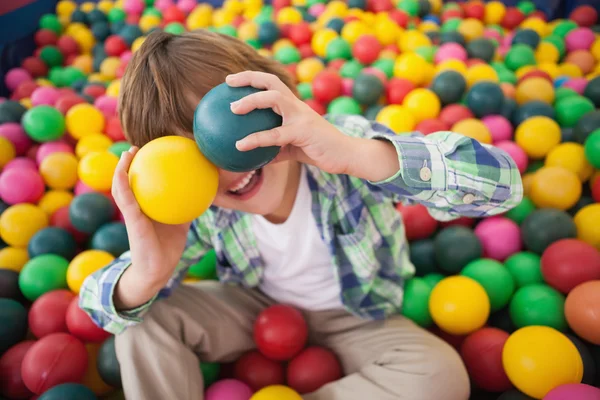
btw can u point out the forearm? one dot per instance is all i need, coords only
(133, 290)
(374, 160)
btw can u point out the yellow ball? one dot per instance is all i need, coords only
(411, 66)
(234, 6)
(98, 77)
(91, 143)
(43, 82)
(59, 170)
(307, 69)
(537, 136)
(264, 53)
(459, 305)
(20, 222)
(337, 8)
(354, 30)
(452, 64)
(84, 62)
(299, 3)
(549, 68)
(288, 15)
(137, 43)
(248, 30)
(84, 264)
(85, 39)
(200, 17)
(97, 169)
(26, 102)
(471, 28)
(321, 39)
(595, 50)
(65, 8)
(280, 44)
(588, 224)
(571, 70)
(276, 392)
(387, 32)
(172, 181)
(105, 6)
(148, 22)
(474, 129)
(436, 6)
(75, 27)
(535, 89)
(222, 17)
(494, 12)
(555, 187)
(84, 119)
(479, 73)
(527, 180)
(54, 200)
(7, 151)
(570, 156)
(537, 359)
(109, 67)
(87, 6)
(547, 52)
(428, 74)
(410, 41)
(428, 26)
(536, 24)
(13, 258)
(422, 104)
(397, 118)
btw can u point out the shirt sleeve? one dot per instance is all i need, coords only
(451, 174)
(96, 295)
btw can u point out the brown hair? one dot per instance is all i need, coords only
(169, 74)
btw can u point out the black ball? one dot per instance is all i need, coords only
(527, 37)
(452, 37)
(532, 108)
(455, 247)
(79, 16)
(501, 319)
(545, 226)
(589, 364)
(481, 48)
(567, 135)
(130, 32)
(11, 111)
(509, 107)
(107, 363)
(52, 240)
(514, 395)
(449, 86)
(592, 91)
(424, 8)
(3, 207)
(13, 323)
(367, 89)
(9, 285)
(90, 211)
(485, 98)
(422, 255)
(586, 125)
(582, 202)
(111, 238)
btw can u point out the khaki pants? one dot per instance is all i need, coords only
(382, 360)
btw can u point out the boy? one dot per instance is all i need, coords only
(316, 229)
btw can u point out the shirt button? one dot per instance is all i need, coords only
(468, 198)
(425, 174)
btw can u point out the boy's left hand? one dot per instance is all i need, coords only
(304, 135)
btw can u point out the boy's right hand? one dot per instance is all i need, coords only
(155, 248)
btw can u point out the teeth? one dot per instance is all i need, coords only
(243, 182)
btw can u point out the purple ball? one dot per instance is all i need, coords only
(15, 77)
(580, 39)
(52, 147)
(228, 389)
(500, 128)
(451, 51)
(45, 95)
(577, 84)
(21, 186)
(574, 391)
(20, 163)
(499, 236)
(16, 134)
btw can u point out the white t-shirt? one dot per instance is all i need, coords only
(299, 268)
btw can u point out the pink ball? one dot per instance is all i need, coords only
(572, 391)
(134, 6)
(507, 40)
(82, 188)
(228, 389)
(347, 84)
(450, 51)
(107, 105)
(516, 153)
(577, 84)
(499, 236)
(317, 9)
(45, 95)
(16, 134)
(20, 163)
(580, 39)
(492, 34)
(377, 72)
(21, 186)
(126, 56)
(500, 128)
(186, 5)
(503, 49)
(15, 77)
(162, 5)
(51, 147)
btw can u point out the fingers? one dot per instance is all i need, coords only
(280, 136)
(261, 100)
(258, 80)
(121, 191)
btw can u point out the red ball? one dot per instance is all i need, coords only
(377, 6)
(453, 113)
(94, 91)
(313, 368)
(113, 129)
(455, 341)
(482, 353)
(36, 67)
(351, 18)
(81, 325)
(133, 19)
(366, 49)
(280, 332)
(257, 371)
(54, 359)
(535, 74)
(279, 4)
(570, 262)
(61, 219)
(400, 17)
(173, 14)
(67, 45)
(462, 221)
(45, 37)
(114, 45)
(512, 18)
(11, 384)
(474, 61)
(596, 191)
(291, 68)
(397, 89)
(428, 126)
(538, 14)
(450, 14)
(47, 314)
(306, 50)
(584, 16)
(474, 10)
(65, 102)
(300, 33)
(418, 223)
(336, 65)
(121, 70)
(326, 86)
(316, 106)
(24, 90)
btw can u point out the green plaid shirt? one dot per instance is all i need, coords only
(449, 173)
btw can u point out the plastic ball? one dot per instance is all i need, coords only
(59, 171)
(111, 238)
(228, 389)
(500, 128)
(366, 49)
(518, 56)
(485, 98)
(449, 51)
(84, 119)
(573, 391)
(555, 187)
(17, 136)
(43, 123)
(280, 332)
(415, 304)
(527, 37)
(81, 326)
(587, 220)
(84, 264)
(545, 226)
(397, 89)
(459, 305)
(89, 211)
(471, 28)
(308, 69)
(592, 149)
(587, 124)
(480, 73)
(525, 268)
(68, 391)
(473, 128)
(107, 363)
(313, 368)
(13, 258)
(570, 110)
(579, 39)
(43, 274)
(96, 170)
(47, 313)
(276, 392)
(489, 233)
(538, 304)
(257, 371)
(581, 311)
(412, 67)
(538, 136)
(10, 368)
(528, 358)
(570, 156)
(14, 324)
(397, 118)
(20, 222)
(52, 240)
(367, 89)
(422, 104)
(535, 89)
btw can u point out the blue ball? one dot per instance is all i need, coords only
(217, 129)
(336, 24)
(361, 4)
(561, 80)
(68, 391)
(432, 18)
(268, 32)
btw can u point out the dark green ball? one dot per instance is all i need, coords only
(509, 108)
(206, 268)
(538, 304)
(433, 279)
(51, 56)
(268, 32)
(79, 16)
(101, 31)
(336, 24)
(107, 363)
(367, 89)
(586, 125)
(501, 320)
(514, 394)
(11, 111)
(371, 112)
(13, 323)
(530, 109)
(96, 16)
(455, 247)
(520, 212)
(534, 166)
(130, 32)
(582, 202)
(52, 240)
(545, 226)
(424, 8)
(111, 238)
(528, 37)
(567, 135)
(68, 391)
(422, 255)
(589, 364)
(482, 49)
(360, 4)
(9, 285)
(90, 211)
(210, 372)
(217, 129)
(415, 305)
(449, 86)
(485, 98)
(452, 37)
(592, 91)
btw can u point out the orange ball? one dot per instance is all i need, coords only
(555, 187)
(582, 309)
(583, 59)
(508, 90)
(473, 128)
(535, 88)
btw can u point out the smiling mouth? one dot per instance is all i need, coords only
(248, 183)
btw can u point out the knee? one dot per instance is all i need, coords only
(446, 373)
(145, 332)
